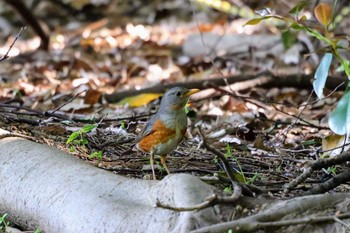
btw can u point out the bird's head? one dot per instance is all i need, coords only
(176, 98)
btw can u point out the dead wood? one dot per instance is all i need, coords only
(319, 164)
(302, 81)
(272, 216)
(42, 187)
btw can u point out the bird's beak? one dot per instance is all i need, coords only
(191, 92)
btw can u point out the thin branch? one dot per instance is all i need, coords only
(6, 56)
(228, 169)
(67, 102)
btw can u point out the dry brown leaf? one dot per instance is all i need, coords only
(323, 13)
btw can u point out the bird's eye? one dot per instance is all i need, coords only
(178, 94)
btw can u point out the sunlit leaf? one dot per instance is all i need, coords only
(72, 137)
(321, 75)
(258, 20)
(96, 154)
(254, 21)
(323, 13)
(139, 100)
(303, 18)
(299, 7)
(339, 119)
(88, 128)
(332, 142)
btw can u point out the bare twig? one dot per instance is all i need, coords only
(285, 132)
(228, 169)
(13, 42)
(69, 101)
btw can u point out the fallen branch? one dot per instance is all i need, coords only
(302, 81)
(42, 187)
(271, 217)
(330, 184)
(37, 116)
(319, 164)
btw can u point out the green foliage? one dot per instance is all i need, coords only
(77, 138)
(123, 125)
(332, 170)
(339, 120)
(288, 38)
(228, 189)
(3, 223)
(254, 178)
(96, 154)
(228, 153)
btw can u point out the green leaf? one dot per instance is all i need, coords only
(84, 141)
(321, 75)
(299, 7)
(296, 26)
(288, 39)
(96, 154)
(228, 153)
(258, 20)
(318, 35)
(72, 137)
(88, 128)
(72, 149)
(253, 21)
(339, 119)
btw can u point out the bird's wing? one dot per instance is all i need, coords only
(147, 130)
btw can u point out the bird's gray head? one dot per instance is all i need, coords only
(176, 99)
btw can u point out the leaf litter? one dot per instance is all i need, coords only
(270, 132)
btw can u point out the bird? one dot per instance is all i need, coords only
(166, 129)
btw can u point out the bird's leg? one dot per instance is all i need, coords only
(163, 162)
(152, 165)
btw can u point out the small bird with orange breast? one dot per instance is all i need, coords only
(165, 130)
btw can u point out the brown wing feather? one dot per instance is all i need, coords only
(159, 133)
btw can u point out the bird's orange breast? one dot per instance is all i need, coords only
(160, 134)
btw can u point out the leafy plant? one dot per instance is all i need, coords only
(228, 154)
(228, 189)
(332, 170)
(3, 222)
(96, 154)
(254, 178)
(339, 120)
(77, 138)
